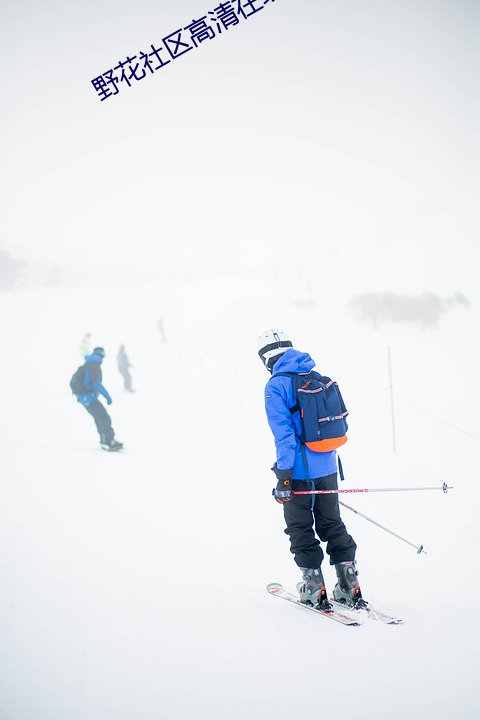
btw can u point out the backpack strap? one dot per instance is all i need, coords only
(304, 458)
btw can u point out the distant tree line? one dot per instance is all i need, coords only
(426, 309)
(11, 270)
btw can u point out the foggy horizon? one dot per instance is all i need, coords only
(348, 130)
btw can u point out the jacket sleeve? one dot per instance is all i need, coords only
(95, 381)
(99, 387)
(281, 424)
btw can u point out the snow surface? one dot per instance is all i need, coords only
(133, 584)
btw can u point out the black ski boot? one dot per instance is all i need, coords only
(112, 446)
(312, 589)
(347, 590)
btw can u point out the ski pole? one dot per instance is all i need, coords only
(443, 487)
(419, 548)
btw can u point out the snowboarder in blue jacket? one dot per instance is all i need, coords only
(92, 388)
(309, 518)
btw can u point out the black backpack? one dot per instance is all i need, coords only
(77, 382)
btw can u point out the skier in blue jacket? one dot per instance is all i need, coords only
(93, 387)
(309, 518)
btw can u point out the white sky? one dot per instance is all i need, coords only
(347, 129)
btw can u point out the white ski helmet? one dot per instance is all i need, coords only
(271, 344)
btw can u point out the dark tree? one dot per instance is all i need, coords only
(426, 309)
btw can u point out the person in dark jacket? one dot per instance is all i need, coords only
(124, 366)
(93, 387)
(309, 518)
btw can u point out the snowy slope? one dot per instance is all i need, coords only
(116, 569)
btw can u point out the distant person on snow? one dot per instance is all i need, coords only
(124, 366)
(308, 518)
(161, 329)
(87, 395)
(85, 345)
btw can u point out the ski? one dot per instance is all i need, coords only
(371, 613)
(336, 613)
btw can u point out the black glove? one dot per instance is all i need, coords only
(283, 492)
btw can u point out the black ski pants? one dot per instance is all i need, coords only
(102, 421)
(310, 517)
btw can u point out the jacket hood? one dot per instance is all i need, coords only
(93, 358)
(293, 361)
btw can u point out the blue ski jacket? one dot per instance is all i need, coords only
(93, 381)
(285, 426)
